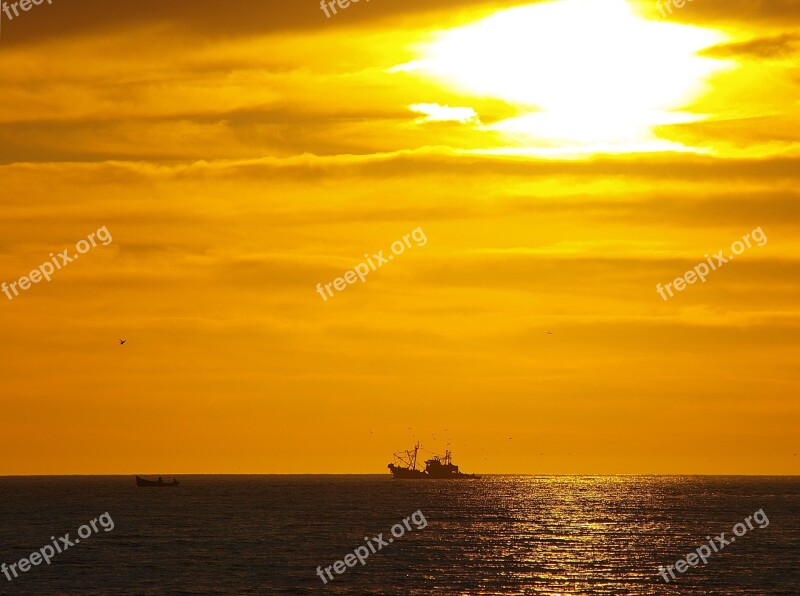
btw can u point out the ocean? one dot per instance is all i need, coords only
(496, 535)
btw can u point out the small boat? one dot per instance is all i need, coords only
(160, 482)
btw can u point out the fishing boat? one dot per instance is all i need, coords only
(438, 467)
(160, 482)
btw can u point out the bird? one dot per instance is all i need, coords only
(549, 333)
(122, 342)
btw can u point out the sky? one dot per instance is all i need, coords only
(561, 159)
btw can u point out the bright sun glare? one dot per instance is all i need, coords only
(587, 75)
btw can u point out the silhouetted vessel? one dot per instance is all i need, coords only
(435, 468)
(159, 482)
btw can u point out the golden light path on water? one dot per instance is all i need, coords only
(573, 534)
(583, 76)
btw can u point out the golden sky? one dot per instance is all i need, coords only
(561, 157)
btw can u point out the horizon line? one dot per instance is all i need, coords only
(389, 477)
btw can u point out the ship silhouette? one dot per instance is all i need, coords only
(160, 482)
(438, 467)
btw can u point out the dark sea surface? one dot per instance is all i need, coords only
(496, 535)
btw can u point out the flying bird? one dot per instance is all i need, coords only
(122, 342)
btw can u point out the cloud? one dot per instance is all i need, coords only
(779, 46)
(209, 20)
(740, 12)
(435, 113)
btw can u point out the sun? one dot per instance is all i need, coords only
(585, 75)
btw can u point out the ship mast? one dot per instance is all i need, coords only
(414, 459)
(410, 458)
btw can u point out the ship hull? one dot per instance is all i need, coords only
(400, 473)
(154, 483)
(405, 473)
